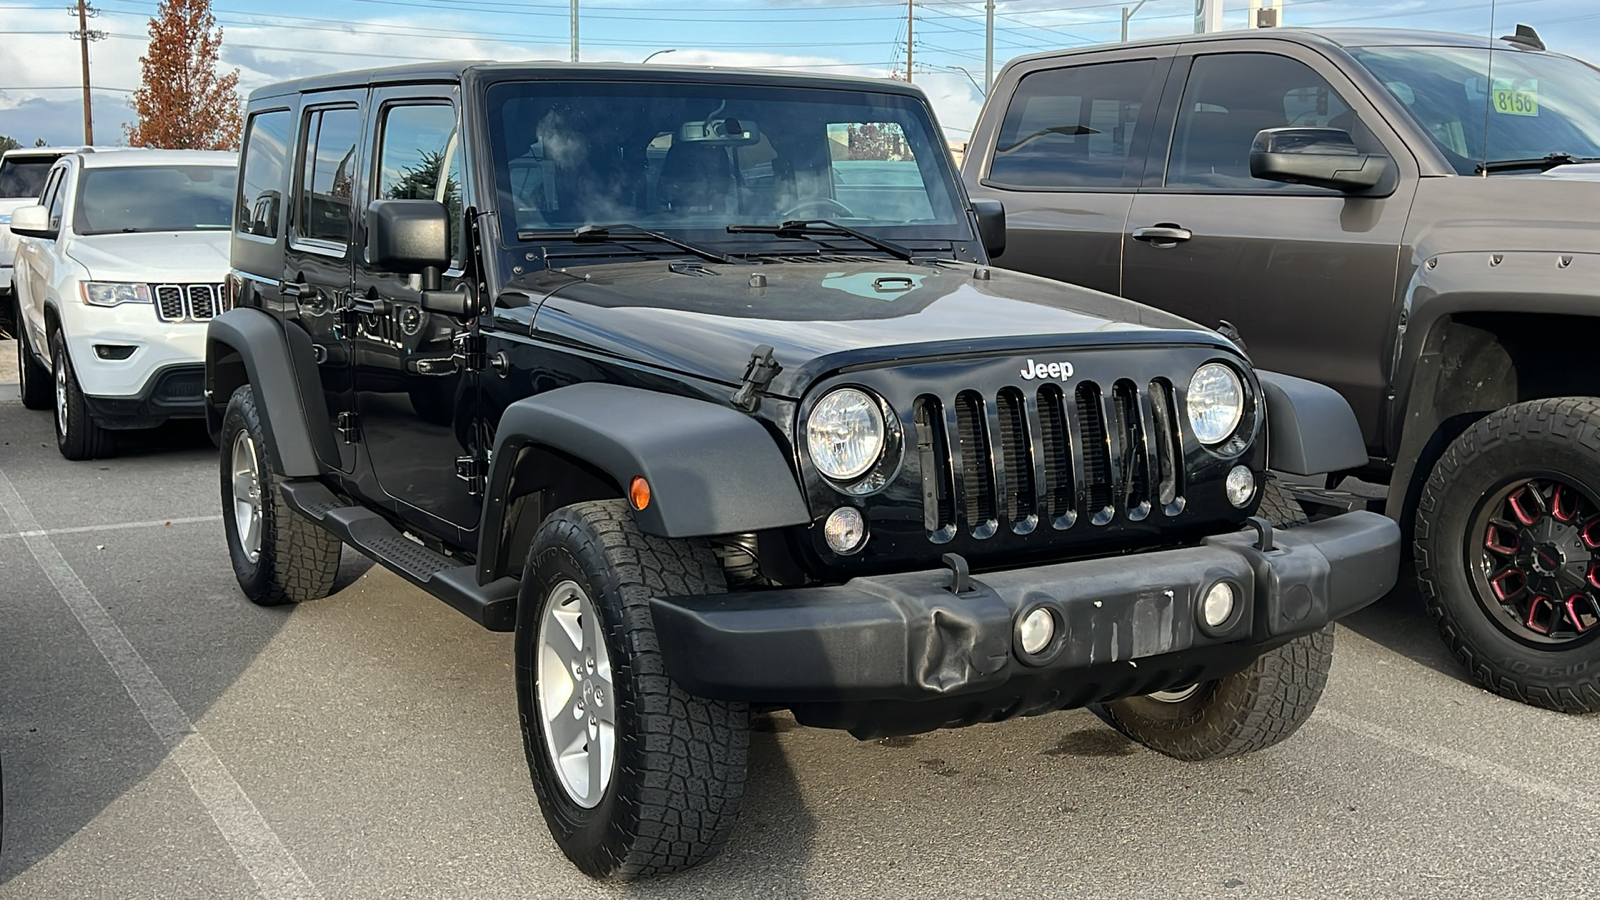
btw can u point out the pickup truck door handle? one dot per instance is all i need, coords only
(1165, 235)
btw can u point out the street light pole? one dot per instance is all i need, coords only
(658, 53)
(963, 70)
(1128, 14)
(574, 30)
(988, 46)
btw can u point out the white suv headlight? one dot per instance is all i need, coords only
(845, 434)
(1215, 403)
(114, 293)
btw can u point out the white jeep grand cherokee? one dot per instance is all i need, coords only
(117, 273)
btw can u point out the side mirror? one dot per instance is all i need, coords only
(33, 221)
(408, 236)
(991, 226)
(1321, 157)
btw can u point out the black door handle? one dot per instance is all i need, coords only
(1164, 235)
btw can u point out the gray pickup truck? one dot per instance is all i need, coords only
(1409, 217)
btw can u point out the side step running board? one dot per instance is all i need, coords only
(492, 605)
(1333, 502)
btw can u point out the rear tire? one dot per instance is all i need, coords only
(33, 379)
(278, 555)
(78, 435)
(636, 777)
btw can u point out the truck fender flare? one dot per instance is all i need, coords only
(1311, 429)
(263, 352)
(711, 470)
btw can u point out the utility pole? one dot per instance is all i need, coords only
(988, 47)
(574, 30)
(1128, 14)
(83, 36)
(911, 18)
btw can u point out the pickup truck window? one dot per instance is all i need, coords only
(669, 156)
(1232, 96)
(1072, 127)
(1536, 105)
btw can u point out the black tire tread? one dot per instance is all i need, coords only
(1279, 508)
(32, 376)
(1249, 711)
(1575, 420)
(301, 559)
(84, 438)
(693, 750)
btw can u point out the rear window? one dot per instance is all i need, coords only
(23, 176)
(155, 198)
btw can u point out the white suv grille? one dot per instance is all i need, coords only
(189, 302)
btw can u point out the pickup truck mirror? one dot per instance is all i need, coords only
(991, 226)
(408, 236)
(1321, 157)
(33, 221)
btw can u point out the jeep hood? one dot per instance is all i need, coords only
(819, 317)
(156, 257)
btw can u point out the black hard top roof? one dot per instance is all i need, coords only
(1313, 37)
(448, 72)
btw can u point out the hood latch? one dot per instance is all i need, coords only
(757, 375)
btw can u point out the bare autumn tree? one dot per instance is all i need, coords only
(184, 103)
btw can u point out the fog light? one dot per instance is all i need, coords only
(1241, 486)
(1218, 606)
(1037, 631)
(113, 351)
(845, 530)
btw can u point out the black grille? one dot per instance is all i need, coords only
(1020, 460)
(189, 302)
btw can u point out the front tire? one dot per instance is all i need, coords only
(278, 555)
(33, 379)
(1508, 552)
(78, 435)
(636, 777)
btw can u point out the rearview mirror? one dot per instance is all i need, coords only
(33, 221)
(991, 226)
(408, 236)
(1320, 157)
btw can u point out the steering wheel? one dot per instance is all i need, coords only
(819, 205)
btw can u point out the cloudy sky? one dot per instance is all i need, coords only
(268, 40)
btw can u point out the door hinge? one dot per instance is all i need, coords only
(757, 375)
(470, 352)
(349, 427)
(474, 470)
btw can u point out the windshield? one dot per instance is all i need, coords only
(23, 176)
(1533, 105)
(155, 198)
(684, 156)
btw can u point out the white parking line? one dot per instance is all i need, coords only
(1465, 762)
(119, 526)
(252, 840)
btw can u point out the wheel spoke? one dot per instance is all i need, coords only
(568, 725)
(567, 638)
(1527, 504)
(1502, 538)
(1564, 503)
(600, 744)
(1508, 583)
(243, 485)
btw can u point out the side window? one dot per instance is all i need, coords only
(57, 193)
(327, 184)
(261, 183)
(47, 197)
(1232, 96)
(875, 172)
(420, 159)
(1072, 127)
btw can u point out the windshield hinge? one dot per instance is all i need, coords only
(757, 375)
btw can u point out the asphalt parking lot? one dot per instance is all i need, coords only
(162, 737)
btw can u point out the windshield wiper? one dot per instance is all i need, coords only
(802, 227)
(1543, 163)
(623, 231)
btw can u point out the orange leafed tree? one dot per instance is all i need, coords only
(183, 102)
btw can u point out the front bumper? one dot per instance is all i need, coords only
(1130, 625)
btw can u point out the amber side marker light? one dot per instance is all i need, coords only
(639, 492)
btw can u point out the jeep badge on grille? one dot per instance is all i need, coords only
(1061, 370)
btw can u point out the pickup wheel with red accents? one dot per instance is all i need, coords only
(1508, 552)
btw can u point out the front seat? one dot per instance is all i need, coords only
(696, 177)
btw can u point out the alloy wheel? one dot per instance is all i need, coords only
(246, 470)
(61, 396)
(1534, 559)
(573, 688)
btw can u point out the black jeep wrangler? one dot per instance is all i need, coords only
(700, 382)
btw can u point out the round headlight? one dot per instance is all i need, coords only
(1216, 403)
(844, 434)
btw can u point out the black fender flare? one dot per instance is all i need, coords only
(1311, 429)
(711, 469)
(264, 352)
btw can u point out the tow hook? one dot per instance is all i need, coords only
(1263, 530)
(960, 573)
